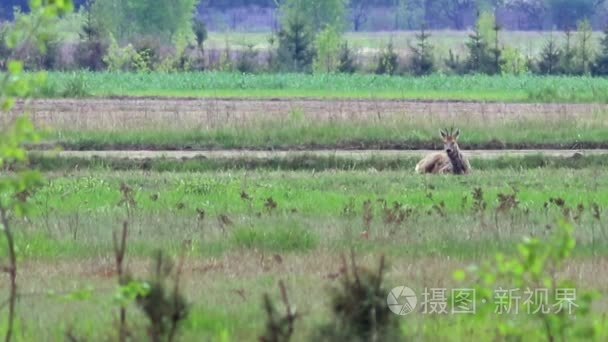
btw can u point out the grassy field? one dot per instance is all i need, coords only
(245, 242)
(272, 86)
(236, 227)
(331, 136)
(103, 124)
(528, 42)
(262, 226)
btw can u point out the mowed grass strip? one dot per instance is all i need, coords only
(50, 163)
(527, 134)
(527, 88)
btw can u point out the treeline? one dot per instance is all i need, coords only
(366, 15)
(114, 35)
(564, 53)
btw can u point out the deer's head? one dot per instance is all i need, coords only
(450, 139)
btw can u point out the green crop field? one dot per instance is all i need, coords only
(324, 86)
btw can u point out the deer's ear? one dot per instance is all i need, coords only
(457, 133)
(443, 133)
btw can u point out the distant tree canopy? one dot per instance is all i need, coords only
(165, 20)
(363, 14)
(317, 13)
(566, 13)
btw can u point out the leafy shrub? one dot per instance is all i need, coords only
(120, 58)
(164, 306)
(200, 32)
(514, 62)
(148, 55)
(327, 45)
(388, 61)
(600, 66)
(346, 60)
(359, 307)
(279, 328)
(247, 60)
(454, 64)
(4, 50)
(535, 267)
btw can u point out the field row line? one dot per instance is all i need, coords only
(352, 154)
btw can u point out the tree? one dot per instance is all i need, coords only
(346, 62)
(401, 14)
(566, 63)
(585, 50)
(328, 49)
(600, 67)
(513, 62)
(566, 13)
(534, 11)
(318, 13)
(454, 10)
(422, 57)
(16, 186)
(168, 21)
(92, 47)
(200, 32)
(359, 10)
(479, 59)
(550, 56)
(295, 51)
(489, 30)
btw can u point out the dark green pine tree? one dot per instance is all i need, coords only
(600, 66)
(479, 59)
(296, 50)
(346, 61)
(566, 63)
(496, 52)
(422, 57)
(550, 57)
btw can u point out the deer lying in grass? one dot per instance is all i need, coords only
(450, 160)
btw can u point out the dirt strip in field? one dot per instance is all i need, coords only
(133, 113)
(352, 154)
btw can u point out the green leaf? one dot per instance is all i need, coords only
(459, 275)
(15, 67)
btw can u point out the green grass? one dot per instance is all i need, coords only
(529, 42)
(268, 86)
(304, 162)
(310, 211)
(66, 242)
(523, 135)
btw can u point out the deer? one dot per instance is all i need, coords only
(448, 161)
